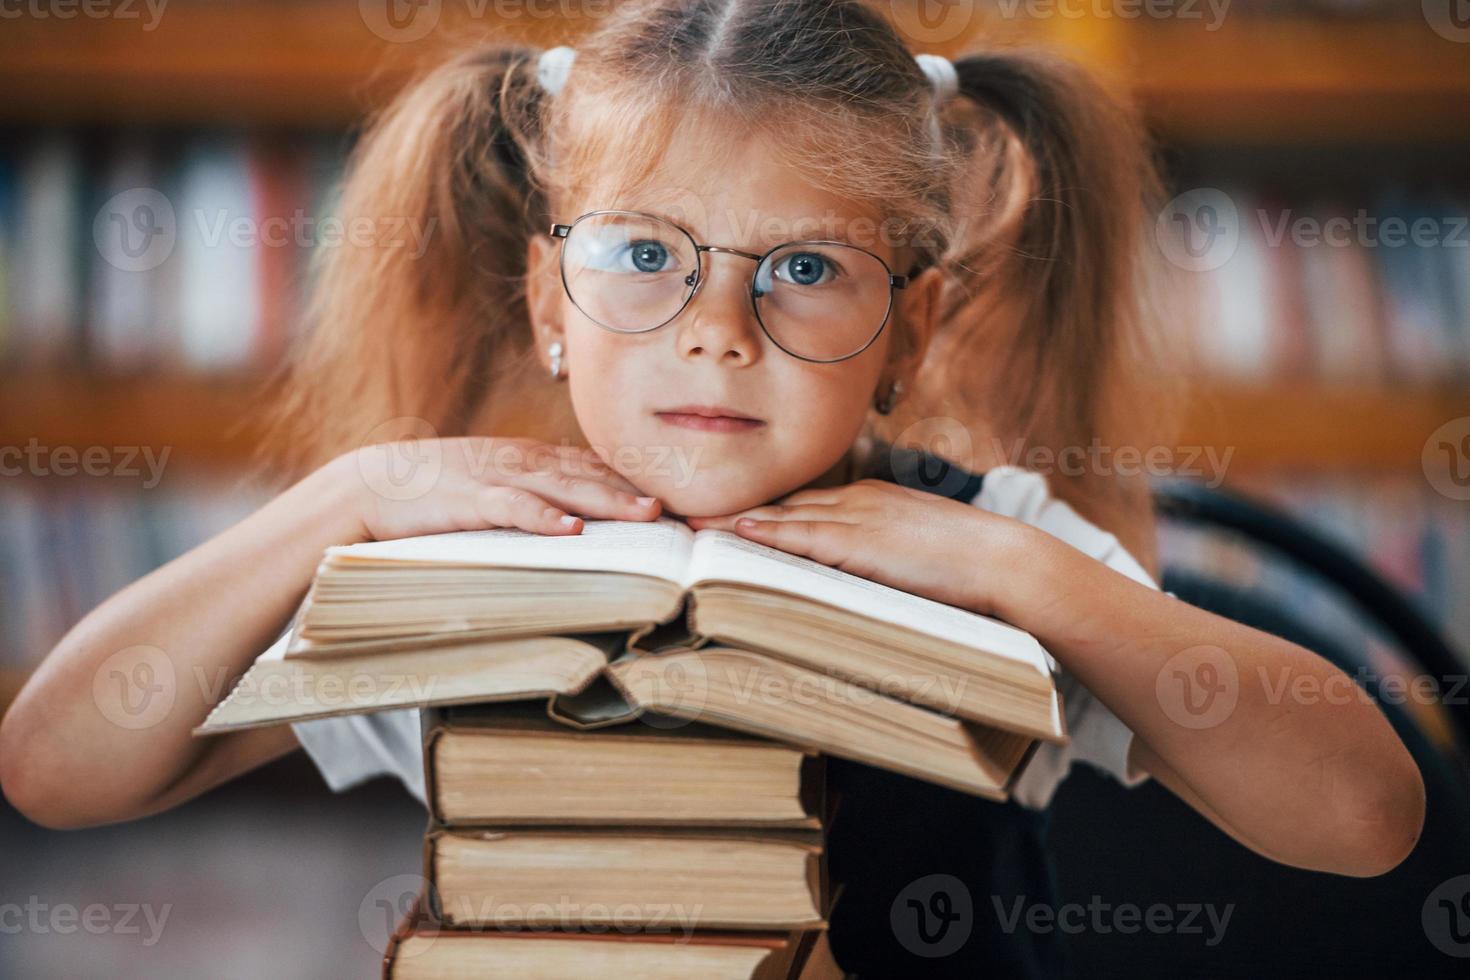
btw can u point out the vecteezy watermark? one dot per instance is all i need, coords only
(404, 458)
(1446, 916)
(97, 919)
(679, 690)
(1127, 918)
(307, 231)
(1198, 687)
(148, 12)
(1446, 459)
(135, 688)
(386, 905)
(406, 21)
(34, 459)
(932, 916)
(933, 21)
(1365, 686)
(138, 229)
(1200, 229)
(563, 913)
(359, 689)
(135, 230)
(1210, 12)
(1104, 460)
(1450, 19)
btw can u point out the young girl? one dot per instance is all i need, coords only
(610, 320)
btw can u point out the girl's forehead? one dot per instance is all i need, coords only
(757, 202)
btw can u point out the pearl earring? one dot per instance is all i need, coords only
(555, 350)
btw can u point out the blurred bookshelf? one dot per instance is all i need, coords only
(314, 62)
(248, 108)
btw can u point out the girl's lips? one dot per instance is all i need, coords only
(705, 423)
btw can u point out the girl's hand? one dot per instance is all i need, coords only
(912, 540)
(428, 486)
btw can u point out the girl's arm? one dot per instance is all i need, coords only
(1267, 740)
(70, 756)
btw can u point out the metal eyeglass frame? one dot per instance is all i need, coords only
(895, 281)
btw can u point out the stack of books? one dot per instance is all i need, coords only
(634, 718)
(575, 843)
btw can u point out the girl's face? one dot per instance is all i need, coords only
(626, 388)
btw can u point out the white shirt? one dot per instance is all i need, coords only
(350, 749)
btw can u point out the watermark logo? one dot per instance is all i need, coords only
(942, 437)
(677, 692)
(399, 21)
(1199, 230)
(933, 915)
(1450, 19)
(387, 904)
(135, 688)
(136, 230)
(1446, 917)
(402, 458)
(1198, 687)
(1446, 459)
(932, 21)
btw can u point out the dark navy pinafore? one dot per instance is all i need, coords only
(929, 876)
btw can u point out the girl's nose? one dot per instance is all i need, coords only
(719, 321)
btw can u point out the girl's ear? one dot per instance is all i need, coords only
(917, 306)
(543, 294)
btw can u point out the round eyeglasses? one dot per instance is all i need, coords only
(632, 272)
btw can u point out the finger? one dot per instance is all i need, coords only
(773, 512)
(584, 461)
(828, 542)
(504, 506)
(585, 495)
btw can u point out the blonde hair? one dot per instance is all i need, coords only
(1034, 206)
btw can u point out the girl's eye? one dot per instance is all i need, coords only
(806, 268)
(647, 256)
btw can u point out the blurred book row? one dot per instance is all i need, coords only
(65, 545)
(1358, 294)
(159, 251)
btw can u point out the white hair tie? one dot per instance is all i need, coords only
(940, 71)
(553, 66)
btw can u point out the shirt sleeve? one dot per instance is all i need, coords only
(1096, 735)
(351, 749)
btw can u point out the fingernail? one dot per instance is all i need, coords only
(646, 501)
(746, 522)
(567, 520)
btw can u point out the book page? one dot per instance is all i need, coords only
(659, 548)
(723, 556)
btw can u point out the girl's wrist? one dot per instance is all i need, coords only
(333, 498)
(1019, 573)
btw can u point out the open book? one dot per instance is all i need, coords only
(386, 596)
(597, 680)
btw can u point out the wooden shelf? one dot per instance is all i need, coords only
(213, 421)
(202, 419)
(1264, 79)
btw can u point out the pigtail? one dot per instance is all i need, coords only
(1050, 256)
(420, 311)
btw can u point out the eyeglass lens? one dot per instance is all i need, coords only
(632, 272)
